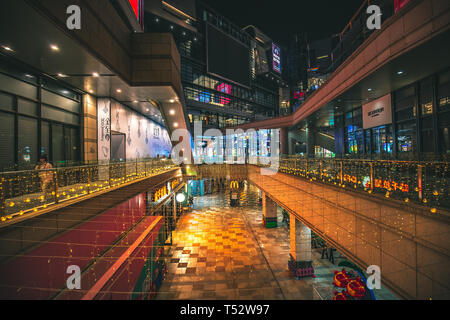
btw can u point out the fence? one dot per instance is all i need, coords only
(22, 192)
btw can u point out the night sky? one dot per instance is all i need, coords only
(281, 19)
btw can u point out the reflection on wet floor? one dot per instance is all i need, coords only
(225, 253)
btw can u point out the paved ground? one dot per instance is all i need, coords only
(225, 253)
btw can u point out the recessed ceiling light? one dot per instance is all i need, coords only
(172, 100)
(91, 91)
(119, 90)
(29, 76)
(172, 112)
(95, 74)
(61, 75)
(175, 124)
(54, 47)
(65, 91)
(400, 72)
(7, 48)
(370, 89)
(135, 101)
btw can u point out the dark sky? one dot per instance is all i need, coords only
(280, 19)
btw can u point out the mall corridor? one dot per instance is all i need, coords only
(224, 253)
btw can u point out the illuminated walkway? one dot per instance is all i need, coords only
(225, 253)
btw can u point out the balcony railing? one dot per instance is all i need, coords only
(424, 183)
(24, 192)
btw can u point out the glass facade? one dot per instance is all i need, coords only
(37, 116)
(215, 100)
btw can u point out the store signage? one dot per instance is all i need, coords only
(225, 88)
(276, 58)
(175, 183)
(234, 185)
(377, 113)
(160, 194)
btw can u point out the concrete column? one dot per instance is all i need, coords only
(269, 212)
(300, 236)
(284, 143)
(310, 141)
(174, 209)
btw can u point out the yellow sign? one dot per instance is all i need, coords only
(234, 185)
(175, 183)
(161, 193)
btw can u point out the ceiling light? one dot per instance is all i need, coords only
(148, 110)
(91, 91)
(119, 90)
(65, 91)
(172, 100)
(175, 124)
(370, 89)
(400, 72)
(95, 74)
(54, 47)
(172, 112)
(171, 27)
(61, 75)
(135, 101)
(6, 48)
(29, 76)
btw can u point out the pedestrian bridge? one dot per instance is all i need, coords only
(389, 214)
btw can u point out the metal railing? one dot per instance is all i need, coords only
(420, 182)
(22, 192)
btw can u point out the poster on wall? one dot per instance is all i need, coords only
(377, 113)
(104, 129)
(144, 138)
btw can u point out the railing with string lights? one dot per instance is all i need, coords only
(425, 183)
(24, 192)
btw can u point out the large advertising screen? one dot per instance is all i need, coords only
(228, 57)
(276, 58)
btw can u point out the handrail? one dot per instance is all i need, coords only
(23, 192)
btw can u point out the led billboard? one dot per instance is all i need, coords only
(276, 58)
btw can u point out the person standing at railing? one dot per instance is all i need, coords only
(46, 176)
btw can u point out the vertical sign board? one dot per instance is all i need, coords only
(104, 136)
(276, 58)
(377, 113)
(135, 5)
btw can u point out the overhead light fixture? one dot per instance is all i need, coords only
(119, 90)
(91, 91)
(172, 100)
(175, 125)
(148, 110)
(172, 112)
(171, 27)
(95, 74)
(400, 72)
(29, 76)
(65, 91)
(6, 48)
(370, 89)
(61, 75)
(135, 101)
(54, 47)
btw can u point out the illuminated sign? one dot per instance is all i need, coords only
(299, 94)
(160, 194)
(276, 58)
(225, 88)
(377, 113)
(175, 183)
(234, 185)
(135, 4)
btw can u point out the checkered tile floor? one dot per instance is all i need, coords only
(224, 253)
